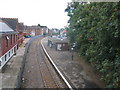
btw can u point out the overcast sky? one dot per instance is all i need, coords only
(33, 12)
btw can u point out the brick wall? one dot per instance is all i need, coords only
(11, 42)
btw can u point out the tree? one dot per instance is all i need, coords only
(96, 29)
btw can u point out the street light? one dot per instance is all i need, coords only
(72, 52)
(72, 48)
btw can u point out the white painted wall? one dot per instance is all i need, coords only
(7, 56)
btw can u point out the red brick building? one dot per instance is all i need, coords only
(44, 30)
(20, 33)
(27, 30)
(33, 30)
(8, 40)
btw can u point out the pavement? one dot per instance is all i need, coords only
(79, 74)
(9, 76)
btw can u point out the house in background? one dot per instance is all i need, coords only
(32, 30)
(27, 30)
(44, 30)
(20, 33)
(49, 32)
(35, 30)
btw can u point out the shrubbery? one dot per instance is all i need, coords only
(96, 29)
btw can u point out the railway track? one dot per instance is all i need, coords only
(39, 73)
(47, 77)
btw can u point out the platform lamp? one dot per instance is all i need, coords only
(72, 52)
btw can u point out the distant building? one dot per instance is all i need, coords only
(33, 30)
(27, 30)
(60, 45)
(21, 33)
(49, 32)
(44, 30)
(55, 31)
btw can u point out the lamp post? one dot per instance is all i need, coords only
(72, 52)
(72, 48)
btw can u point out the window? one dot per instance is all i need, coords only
(5, 57)
(7, 38)
(11, 39)
(14, 38)
(9, 54)
(12, 51)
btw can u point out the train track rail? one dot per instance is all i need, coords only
(45, 73)
(56, 68)
(47, 77)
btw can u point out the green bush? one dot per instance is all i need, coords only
(96, 29)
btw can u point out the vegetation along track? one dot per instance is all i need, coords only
(39, 73)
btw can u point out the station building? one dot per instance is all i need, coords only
(8, 42)
(58, 44)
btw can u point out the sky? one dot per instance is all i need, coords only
(50, 13)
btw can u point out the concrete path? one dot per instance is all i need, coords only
(9, 76)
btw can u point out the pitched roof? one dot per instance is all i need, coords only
(32, 27)
(5, 28)
(43, 26)
(35, 27)
(55, 40)
(12, 22)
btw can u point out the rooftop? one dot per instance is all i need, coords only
(55, 40)
(32, 27)
(12, 22)
(5, 28)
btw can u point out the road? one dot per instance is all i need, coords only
(38, 71)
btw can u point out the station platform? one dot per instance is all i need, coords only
(9, 75)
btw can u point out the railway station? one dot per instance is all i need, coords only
(37, 65)
(32, 60)
(59, 44)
